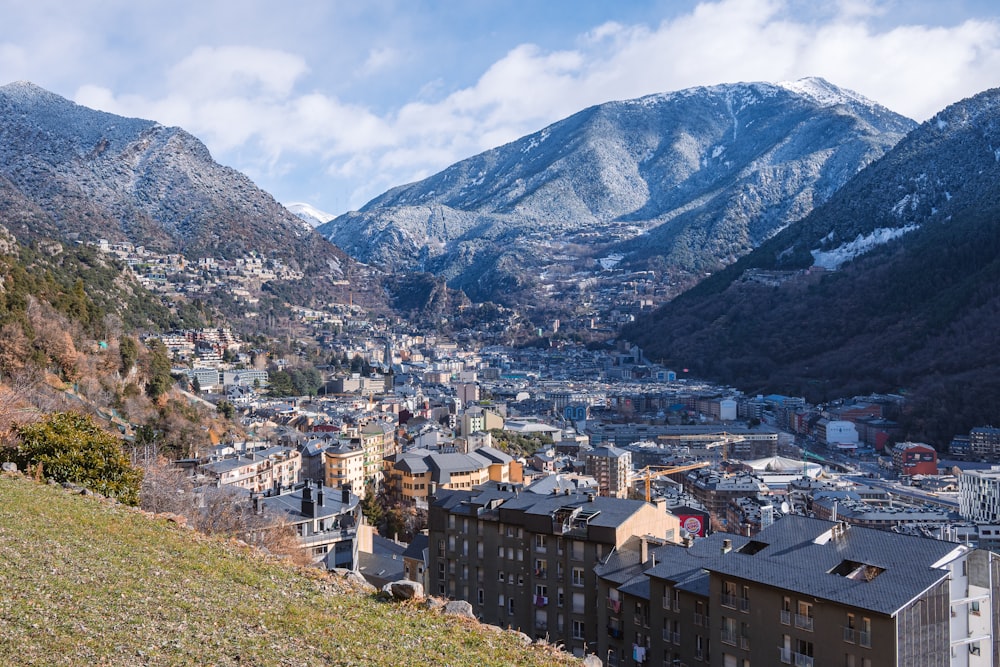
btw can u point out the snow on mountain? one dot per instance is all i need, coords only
(313, 217)
(679, 184)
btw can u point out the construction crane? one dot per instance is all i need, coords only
(649, 473)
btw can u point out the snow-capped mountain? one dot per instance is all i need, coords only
(891, 285)
(678, 184)
(73, 173)
(313, 217)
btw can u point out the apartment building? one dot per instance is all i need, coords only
(612, 468)
(410, 476)
(527, 561)
(803, 592)
(979, 495)
(261, 470)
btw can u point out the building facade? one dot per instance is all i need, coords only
(527, 561)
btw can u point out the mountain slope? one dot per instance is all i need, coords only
(72, 173)
(912, 306)
(152, 594)
(679, 183)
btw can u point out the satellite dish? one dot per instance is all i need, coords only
(785, 508)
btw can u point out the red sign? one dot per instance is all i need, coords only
(693, 524)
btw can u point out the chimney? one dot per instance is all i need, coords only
(727, 546)
(308, 506)
(643, 550)
(345, 494)
(319, 494)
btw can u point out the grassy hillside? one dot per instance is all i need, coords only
(86, 582)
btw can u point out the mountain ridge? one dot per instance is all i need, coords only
(910, 306)
(630, 177)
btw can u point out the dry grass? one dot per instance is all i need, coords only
(87, 582)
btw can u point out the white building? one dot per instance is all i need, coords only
(842, 434)
(979, 495)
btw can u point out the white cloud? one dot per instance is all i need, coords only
(246, 101)
(379, 59)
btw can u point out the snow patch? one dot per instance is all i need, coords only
(833, 259)
(717, 151)
(909, 201)
(610, 262)
(942, 123)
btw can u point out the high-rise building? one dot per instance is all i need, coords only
(527, 561)
(612, 468)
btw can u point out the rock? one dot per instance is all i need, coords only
(459, 608)
(9, 466)
(434, 604)
(357, 580)
(521, 637)
(404, 589)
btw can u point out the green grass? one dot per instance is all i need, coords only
(87, 582)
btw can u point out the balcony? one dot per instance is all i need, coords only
(541, 600)
(541, 574)
(669, 637)
(745, 605)
(786, 617)
(615, 605)
(804, 622)
(865, 639)
(729, 600)
(699, 620)
(850, 635)
(728, 637)
(615, 633)
(745, 643)
(785, 655)
(641, 620)
(802, 660)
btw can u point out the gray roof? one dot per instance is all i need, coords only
(685, 567)
(790, 557)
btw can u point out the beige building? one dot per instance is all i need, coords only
(612, 468)
(344, 467)
(258, 471)
(411, 476)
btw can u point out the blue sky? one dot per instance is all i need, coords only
(332, 102)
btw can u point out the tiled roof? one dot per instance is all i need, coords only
(796, 557)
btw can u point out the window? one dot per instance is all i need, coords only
(578, 576)
(729, 594)
(510, 607)
(560, 597)
(728, 631)
(578, 629)
(481, 596)
(804, 617)
(500, 575)
(540, 542)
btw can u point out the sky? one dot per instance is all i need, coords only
(332, 103)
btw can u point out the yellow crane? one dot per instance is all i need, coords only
(649, 473)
